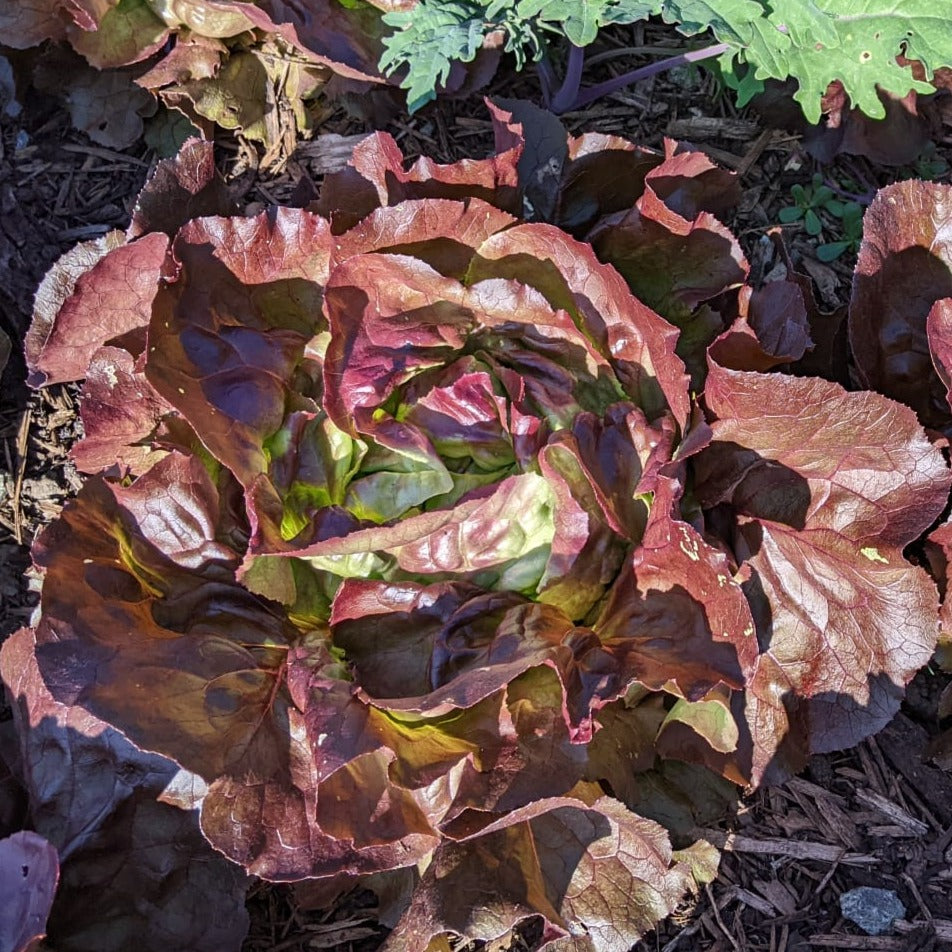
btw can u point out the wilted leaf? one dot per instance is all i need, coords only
(126, 32)
(596, 873)
(108, 106)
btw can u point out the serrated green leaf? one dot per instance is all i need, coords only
(814, 41)
(429, 39)
(579, 20)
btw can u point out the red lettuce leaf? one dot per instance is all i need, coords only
(822, 502)
(228, 334)
(181, 188)
(120, 410)
(375, 178)
(771, 329)
(223, 657)
(904, 267)
(939, 333)
(674, 265)
(570, 182)
(939, 553)
(94, 294)
(445, 234)
(29, 870)
(639, 343)
(676, 615)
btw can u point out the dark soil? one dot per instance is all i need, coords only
(878, 815)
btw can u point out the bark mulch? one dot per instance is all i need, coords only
(879, 815)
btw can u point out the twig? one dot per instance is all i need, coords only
(798, 849)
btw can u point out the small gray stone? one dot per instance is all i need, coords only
(873, 910)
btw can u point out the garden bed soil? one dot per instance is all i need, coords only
(878, 815)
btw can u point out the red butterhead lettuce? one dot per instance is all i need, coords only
(432, 559)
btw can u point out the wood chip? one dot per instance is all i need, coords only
(327, 153)
(892, 811)
(902, 742)
(865, 943)
(712, 127)
(748, 898)
(942, 927)
(778, 895)
(797, 849)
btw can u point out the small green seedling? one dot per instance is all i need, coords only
(930, 166)
(809, 201)
(850, 215)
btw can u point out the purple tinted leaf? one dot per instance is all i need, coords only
(376, 178)
(229, 333)
(604, 174)
(673, 264)
(413, 319)
(585, 552)
(543, 141)
(689, 183)
(143, 571)
(181, 188)
(444, 234)
(624, 746)
(939, 551)
(120, 410)
(621, 454)
(676, 614)
(89, 298)
(29, 870)
(388, 631)
(939, 333)
(639, 344)
(771, 329)
(98, 799)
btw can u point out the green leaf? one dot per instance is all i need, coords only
(818, 41)
(812, 222)
(429, 39)
(831, 251)
(835, 207)
(790, 214)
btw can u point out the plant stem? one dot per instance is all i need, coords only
(547, 79)
(568, 92)
(591, 93)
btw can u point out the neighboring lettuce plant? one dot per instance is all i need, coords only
(416, 541)
(253, 67)
(900, 327)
